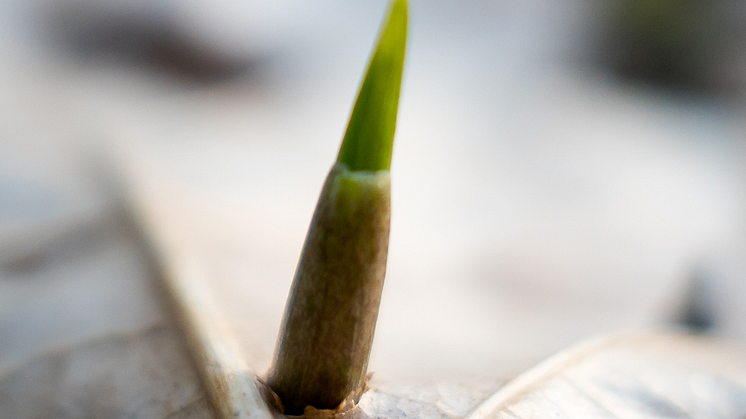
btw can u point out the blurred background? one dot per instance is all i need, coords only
(562, 169)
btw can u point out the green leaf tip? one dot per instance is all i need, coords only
(369, 139)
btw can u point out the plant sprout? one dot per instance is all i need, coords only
(322, 351)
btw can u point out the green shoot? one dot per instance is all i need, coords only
(369, 139)
(322, 352)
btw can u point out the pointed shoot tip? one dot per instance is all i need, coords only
(369, 139)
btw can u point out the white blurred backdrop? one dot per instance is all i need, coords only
(540, 197)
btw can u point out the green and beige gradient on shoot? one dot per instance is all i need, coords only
(322, 351)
